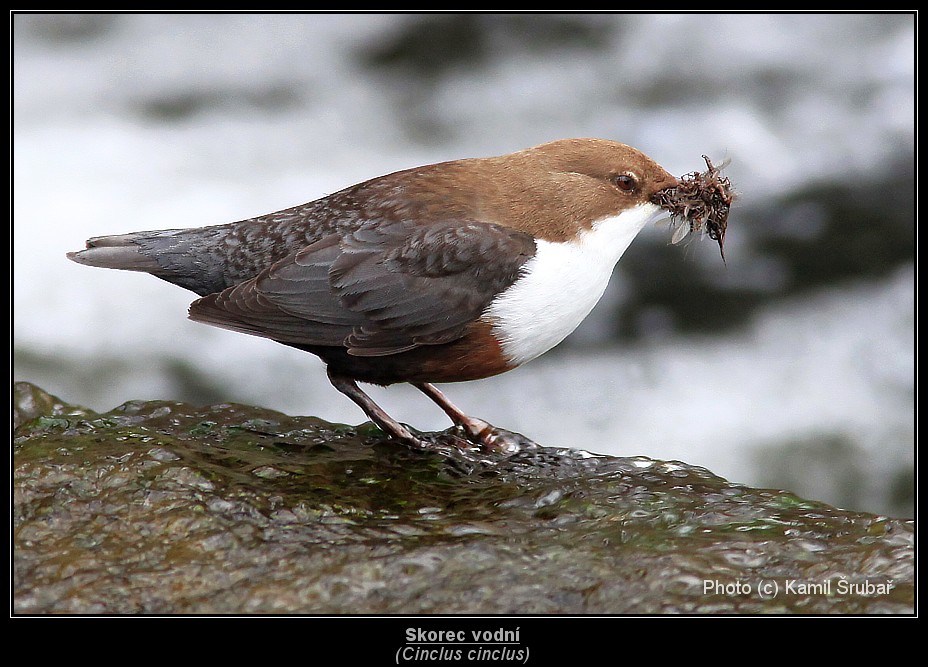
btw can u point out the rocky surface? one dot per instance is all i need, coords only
(166, 508)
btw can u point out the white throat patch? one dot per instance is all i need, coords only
(561, 284)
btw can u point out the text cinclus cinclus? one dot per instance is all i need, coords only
(443, 273)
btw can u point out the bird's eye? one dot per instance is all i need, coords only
(625, 182)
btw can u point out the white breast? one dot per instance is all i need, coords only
(561, 284)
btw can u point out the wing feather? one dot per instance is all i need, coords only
(380, 289)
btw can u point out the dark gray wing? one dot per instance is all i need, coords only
(380, 289)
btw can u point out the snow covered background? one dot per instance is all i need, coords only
(130, 122)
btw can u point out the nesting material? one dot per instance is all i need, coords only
(700, 201)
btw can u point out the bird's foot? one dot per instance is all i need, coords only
(487, 440)
(493, 439)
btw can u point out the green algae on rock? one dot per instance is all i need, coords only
(163, 508)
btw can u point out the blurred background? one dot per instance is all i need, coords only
(792, 366)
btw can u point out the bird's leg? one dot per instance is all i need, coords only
(477, 430)
(377, 415)
(472, 426)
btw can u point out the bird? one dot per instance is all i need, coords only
(448, 272)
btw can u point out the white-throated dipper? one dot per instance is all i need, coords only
(443, 273)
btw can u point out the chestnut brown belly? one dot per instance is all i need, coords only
(474, 356)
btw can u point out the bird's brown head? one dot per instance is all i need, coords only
(581, 181)
(558, 189)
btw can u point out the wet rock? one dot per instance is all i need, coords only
(160, 507)
(30, 402)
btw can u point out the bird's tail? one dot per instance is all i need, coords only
(190, 258)
(116, 252)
